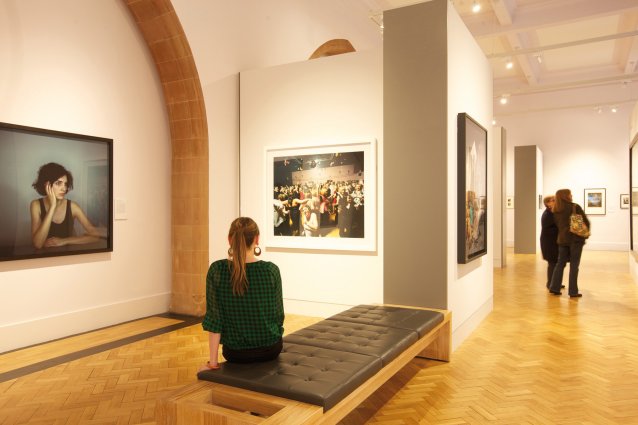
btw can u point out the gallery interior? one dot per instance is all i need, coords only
(199, 96)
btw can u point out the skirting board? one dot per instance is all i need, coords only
(43, 329)
(633, 267)
(461, 332)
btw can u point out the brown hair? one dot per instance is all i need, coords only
(547, 199)
(241, 235)
(562, 198)
(50, 173)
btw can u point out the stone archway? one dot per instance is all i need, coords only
(183, 96)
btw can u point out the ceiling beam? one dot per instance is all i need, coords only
(568, 84)
(504, 10)
(533, 16)
(528, 50)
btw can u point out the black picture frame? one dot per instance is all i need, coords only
(24, 154)
(472, 189)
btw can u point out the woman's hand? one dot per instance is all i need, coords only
(55, 242)
(51, 195)
(209, 366)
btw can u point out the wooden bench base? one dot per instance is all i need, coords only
(210, 403)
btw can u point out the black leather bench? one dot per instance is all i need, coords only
(325, 363)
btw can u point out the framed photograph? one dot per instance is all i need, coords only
(595, 202)
(509, 202)
(321, 197)
(43, 171)
(541, 205)
(472, 189)
(624, 201)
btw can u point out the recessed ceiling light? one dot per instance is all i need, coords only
(503, 100)
(509, 64)
(476, 7)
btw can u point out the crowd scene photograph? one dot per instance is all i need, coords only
(320, 195)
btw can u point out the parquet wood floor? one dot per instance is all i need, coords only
(536, 359)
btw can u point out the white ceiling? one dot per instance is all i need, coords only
(555, 45)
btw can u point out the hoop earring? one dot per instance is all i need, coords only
(257, 251)
(230, 252)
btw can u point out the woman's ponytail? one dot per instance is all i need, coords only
(242, 233)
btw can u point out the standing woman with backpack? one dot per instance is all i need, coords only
(570, 245)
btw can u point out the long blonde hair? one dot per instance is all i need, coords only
(562, 198)
(242, 234)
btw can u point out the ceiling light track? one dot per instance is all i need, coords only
(539, 49)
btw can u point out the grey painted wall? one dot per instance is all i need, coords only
(525, 199)
(415, 155)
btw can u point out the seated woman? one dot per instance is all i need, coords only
(244, 301)
(53, 216)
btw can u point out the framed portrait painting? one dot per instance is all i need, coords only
(595, 202)
(45, 170)
(321, 197)
(624, 201)
(472, 189)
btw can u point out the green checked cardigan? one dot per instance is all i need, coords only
(252, 320)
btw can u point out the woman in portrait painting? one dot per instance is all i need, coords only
(53, 216)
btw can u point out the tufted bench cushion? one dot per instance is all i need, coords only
(304, 373)
(379, 341)
(421, 321)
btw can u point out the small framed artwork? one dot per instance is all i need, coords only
(472, 189)
(509, 202)
(541, 205)
(624, 201)
(595, 202)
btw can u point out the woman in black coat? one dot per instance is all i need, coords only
(549, 236)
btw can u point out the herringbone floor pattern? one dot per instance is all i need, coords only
(537, 359)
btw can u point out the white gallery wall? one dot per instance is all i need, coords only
(582, 149)
(337, 99)
(82, 67)
(228, 37)
(470, 286)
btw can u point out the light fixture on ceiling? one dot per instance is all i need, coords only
(476, 7)
(378, 19)
(494, 122)
(598, 109)
(509, 63)
(614, 109)
(504, 99)
(539, 57)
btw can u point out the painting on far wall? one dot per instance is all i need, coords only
(472, 189)
(595, 202)
(624, 201)
(321, 197)
(56, 191)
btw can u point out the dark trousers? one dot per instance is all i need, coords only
(550, 272)
(252, 355)
(571, 252)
